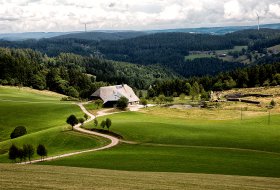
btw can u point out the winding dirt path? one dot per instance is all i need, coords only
(114, 140)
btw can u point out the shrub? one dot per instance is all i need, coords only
(182, 96)
(95, 122)
(122, 103)
(81, 120)
(108, 123)
(18, 131)
(99, 103)
(86, 117)
(273, 103)
(71, 91)
(143, 101)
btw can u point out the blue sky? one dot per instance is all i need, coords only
(70, 15)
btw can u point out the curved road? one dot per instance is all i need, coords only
(114, 141)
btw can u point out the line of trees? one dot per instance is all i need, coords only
(254, 76)
(104, 123)
(26, 152)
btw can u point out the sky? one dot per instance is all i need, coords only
(71, 15)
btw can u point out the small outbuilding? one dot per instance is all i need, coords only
(111, 94)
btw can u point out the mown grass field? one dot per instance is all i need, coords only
(198, 56)
(44, 116)
(217, 52)
(172, 141)
(54, 177)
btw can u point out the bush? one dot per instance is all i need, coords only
(182, 96)
(108, 123)
(68, 98)
(273, 103)
(99, 103)
(95, 122)
(143, 101)
(205, 96)
(81, 121)
(18, 131)
(122, 103)
(71, 91)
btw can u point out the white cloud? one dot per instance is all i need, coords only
(65, 15)
(274, 9)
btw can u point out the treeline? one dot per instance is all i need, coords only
(255, 76)
(204, 66)
(71, 74)
(26, 152)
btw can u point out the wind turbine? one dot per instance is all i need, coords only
(258, 21)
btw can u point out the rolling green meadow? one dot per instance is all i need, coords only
(44, 116)
(160, 141)
(162, 148)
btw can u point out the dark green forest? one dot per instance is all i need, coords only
(71, 74)
(254, 76)
(78, 66)
(165, 49)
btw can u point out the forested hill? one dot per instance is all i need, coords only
(71, 74)
(99, 36)
(169, 50)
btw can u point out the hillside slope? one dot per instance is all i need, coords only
(44, 116)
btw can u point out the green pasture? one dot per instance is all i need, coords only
(169, 143)
(198, 56)
(44, 116)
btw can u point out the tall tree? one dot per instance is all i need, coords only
(42, 151)
(108, 123)
(29, 150)
(13, 152)
(103, 124)
(72, 120)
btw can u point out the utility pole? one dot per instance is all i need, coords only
(258, 21)
(268, 116)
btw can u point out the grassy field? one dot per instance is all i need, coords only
(274, 48)
(218, 52)
(44, 116)
(198, 56)
(54, 177)
(172, 140)
(236, 48)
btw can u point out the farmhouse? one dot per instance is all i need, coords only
(111, 94)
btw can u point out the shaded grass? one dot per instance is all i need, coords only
(175, 159)
(57, 140)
